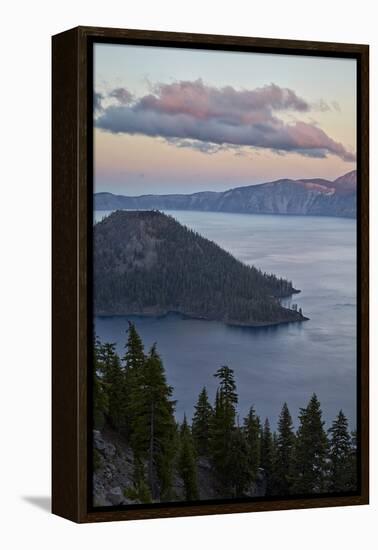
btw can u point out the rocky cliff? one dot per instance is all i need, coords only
(113, 474)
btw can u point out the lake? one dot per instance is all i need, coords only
(274, 364)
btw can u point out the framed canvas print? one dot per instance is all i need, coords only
(210, 274)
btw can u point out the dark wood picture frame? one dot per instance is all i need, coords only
(71, 229)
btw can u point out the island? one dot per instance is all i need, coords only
(146, 263)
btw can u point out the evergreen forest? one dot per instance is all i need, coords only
(147, 263)
(132, 395)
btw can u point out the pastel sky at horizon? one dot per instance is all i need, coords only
(182, 120)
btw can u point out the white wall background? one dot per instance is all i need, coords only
(25, 273)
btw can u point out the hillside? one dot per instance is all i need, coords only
(315, 197)
(146, 263)
(113, 474)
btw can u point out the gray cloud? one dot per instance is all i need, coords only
(321, 106)
(97, 101)
(336, 106)
(122, 95)
(209, 119)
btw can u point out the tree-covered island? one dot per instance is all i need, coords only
(146, 263)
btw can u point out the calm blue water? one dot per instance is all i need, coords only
(277, 364)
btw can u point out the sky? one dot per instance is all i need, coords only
(170, 120)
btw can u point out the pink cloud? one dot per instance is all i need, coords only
(208, 118)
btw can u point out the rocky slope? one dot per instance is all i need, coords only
(146, 263)
(315, 197)
(113, 469)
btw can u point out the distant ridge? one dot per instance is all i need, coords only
(312, 197)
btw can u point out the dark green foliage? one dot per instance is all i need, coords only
(147, 263)
(252, 428)
(311, 451)
(220, 444)
(201, 424)
(227, 392)
(133, 360)
(187, 462)
(240, 474)
(137, 401)
(267, 453)
(139, 405)
(353, 462)
(229, 448)
(140, 492)
(222, 427)
(274, 440)
(342, 473)
(100, 393)
(282, 479)
(153, 425)
(113, 379)
(134, 357)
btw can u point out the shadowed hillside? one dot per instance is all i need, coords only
(146, 263)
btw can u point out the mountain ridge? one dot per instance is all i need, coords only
(307, 196)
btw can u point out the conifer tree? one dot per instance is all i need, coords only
(187, 462)
(267, 453)
(311, 450)
(252, 428)
(274, 440)
(227, 392)
(342, 465)
(222, 427)
(137, 401)
(354, 447)
(133, 362)
(239, 471)
(134, 356)
(284, 455)
(113, 379)
(153, 424)
(201, 424)
(100, 394)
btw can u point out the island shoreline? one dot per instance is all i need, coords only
(188, 317)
